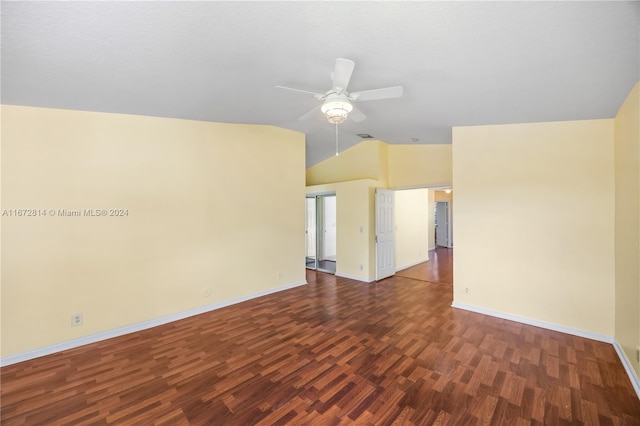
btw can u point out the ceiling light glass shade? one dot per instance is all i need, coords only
(336, 111)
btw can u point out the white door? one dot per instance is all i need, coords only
(442, 224)
(385, 250)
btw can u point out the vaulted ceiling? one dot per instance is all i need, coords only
(460, 63)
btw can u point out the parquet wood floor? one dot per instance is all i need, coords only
(439, 268)
(333, 352)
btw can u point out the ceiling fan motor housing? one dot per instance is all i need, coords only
(336, 108)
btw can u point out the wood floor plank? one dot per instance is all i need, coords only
(333, 352)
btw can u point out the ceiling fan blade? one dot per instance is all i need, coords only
(342, 73)
(317, 95)
(357, 115)
(309, 114)
(376, 94)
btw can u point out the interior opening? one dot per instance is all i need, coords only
(320, 233)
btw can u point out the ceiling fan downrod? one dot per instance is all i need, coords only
(337, 140)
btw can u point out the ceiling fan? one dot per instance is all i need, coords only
(337, 102)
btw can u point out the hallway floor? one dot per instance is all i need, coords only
(438, 269)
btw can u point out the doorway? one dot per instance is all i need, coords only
(442, 224)
(310, 233)
(320, 233)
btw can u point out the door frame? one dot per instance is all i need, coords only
(326, 226)
(319, 225)
(449, 227)
(306, 230)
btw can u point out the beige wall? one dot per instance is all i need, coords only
(419, 165)
(411, 227)
(442, 196)
(366, 160)
(534, 221)
(355, 250)
(393, 166)
(627, 226)
(207, 204)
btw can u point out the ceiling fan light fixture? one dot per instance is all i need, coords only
(336, 105)
(336, 110)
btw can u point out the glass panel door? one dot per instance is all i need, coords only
(311, 259)
(327, 232)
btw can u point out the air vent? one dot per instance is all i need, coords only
(365, 136)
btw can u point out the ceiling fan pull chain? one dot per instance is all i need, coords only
(337, 139)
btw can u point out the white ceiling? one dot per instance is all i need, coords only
(461, 63)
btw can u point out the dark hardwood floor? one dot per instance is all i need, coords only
(322, 265)
(333, 352)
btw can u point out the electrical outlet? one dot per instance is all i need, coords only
(467, 290)
(361, 267)
(206, 291)
(77, 319)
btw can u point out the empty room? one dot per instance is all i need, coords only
(319, 212)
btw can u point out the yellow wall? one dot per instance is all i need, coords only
(366, 160)
(442, 196)
(419, 165)
(627, 226)
(534, 221)
(355, 250)
(394, 166)
(205, 201)
(383, 164)
(411, 227)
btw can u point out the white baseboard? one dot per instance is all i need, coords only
(432, 248)
(628, 367)
(633, 377)
(132, 328)
(536, 323)
(401, 268)
(353, 277)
